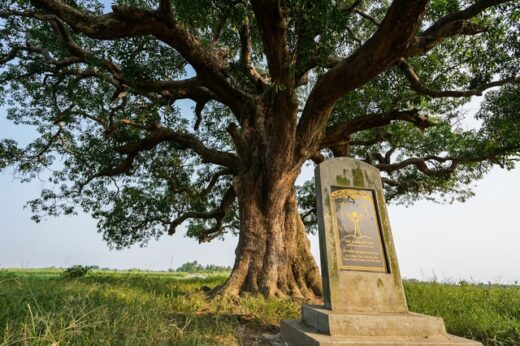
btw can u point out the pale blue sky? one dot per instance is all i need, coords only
(477, 240)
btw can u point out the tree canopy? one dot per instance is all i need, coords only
(272, 84)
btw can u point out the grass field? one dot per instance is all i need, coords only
(40, 307)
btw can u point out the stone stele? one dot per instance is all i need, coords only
(364, 297)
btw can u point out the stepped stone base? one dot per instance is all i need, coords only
(363, 324)
(322, 327)
(296, 333)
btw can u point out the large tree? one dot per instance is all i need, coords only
(273, 84)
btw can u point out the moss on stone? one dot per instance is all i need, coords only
(390, 251)
(327, 199)
(369, 180)
(357, 174)
(342, 180)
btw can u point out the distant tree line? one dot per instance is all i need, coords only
(195, 267)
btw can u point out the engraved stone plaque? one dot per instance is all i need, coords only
(363, 294)
(358, 230)
(359, 266)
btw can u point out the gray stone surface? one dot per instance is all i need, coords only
(355, 291)
(364, 297)
(364, 324)
(296, 333)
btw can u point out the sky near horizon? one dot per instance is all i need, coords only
(476, 241)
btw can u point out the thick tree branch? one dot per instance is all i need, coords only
(272, 21)
(187, 141)
(9, 56)
(421, 165)
(162, 135)
(172, 90)
(308, 213)
(440, 171)
(56, 64)
(214, 179)
(130, 22)
(382, 50)
(336, 134)
(124, 166)
(218, 214)
(378, 138)
(176, 89)
(220, 26)
(451, 25)
(353, 35)
(191, 88)
(317, 158)
(420, 88)
(106, 27)
(306, 32)
(165, 8)
(306, 43)
(199, 107)
(313, 62)
(246, 49)
(366, 16)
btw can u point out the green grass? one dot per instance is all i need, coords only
(488, 313)
(129, 309)
(39, 307)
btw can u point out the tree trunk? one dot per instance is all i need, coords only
(273, 253)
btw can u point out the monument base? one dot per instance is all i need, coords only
(296, 333)
(322, 327)
(362, 286)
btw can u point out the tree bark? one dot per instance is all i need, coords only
(273, 255)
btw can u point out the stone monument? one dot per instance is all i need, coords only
(364, 300)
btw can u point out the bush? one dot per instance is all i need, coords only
(190, 267)
(195, 267)
(77, 271)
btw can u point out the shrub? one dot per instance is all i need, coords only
(195, 267)
(77, 271)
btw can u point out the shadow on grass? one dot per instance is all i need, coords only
(116, 311)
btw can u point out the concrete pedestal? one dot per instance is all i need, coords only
(363, 295)
(322, 327)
